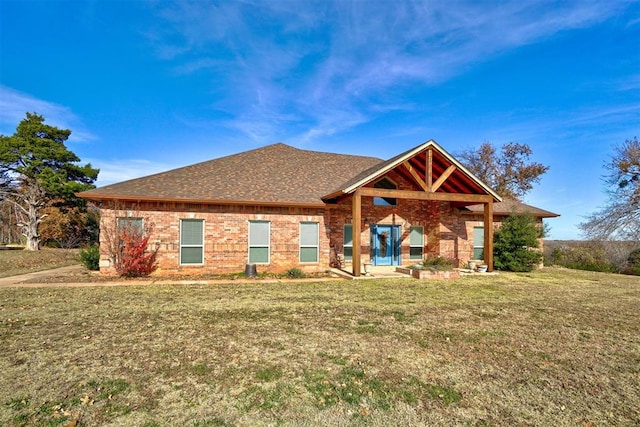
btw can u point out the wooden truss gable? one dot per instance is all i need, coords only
(438, 176)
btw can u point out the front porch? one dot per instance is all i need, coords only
(412, 188)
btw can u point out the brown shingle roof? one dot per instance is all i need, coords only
(508, 207)
(276, 173)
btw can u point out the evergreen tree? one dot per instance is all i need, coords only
(40, 168)
(515, 244)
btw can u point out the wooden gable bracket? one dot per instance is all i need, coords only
(443, 178)
(415, 175)
(429, 186)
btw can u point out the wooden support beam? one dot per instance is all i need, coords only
(421, 195)
(442, 178)
(488, 235)
(429, 169)
(356, 215)
(415, 175)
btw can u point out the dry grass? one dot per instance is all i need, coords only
(14, 262)
(556, 347)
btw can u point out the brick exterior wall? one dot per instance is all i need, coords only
(226, 228)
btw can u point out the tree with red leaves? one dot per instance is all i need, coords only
(133, 257)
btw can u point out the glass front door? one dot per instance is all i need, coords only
(385, 244)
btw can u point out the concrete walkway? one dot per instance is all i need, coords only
(14, 280)
(22, 279)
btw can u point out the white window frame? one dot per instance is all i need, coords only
(250, 245)
(201, 246)
(317, 244)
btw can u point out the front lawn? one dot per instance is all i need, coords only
(555, 347)
(14, 262)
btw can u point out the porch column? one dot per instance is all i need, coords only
(356, 215)
(488, 235)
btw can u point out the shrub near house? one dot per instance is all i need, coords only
(516, 244)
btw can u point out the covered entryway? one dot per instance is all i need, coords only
(435, 176)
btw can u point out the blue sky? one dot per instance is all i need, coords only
(147, 86)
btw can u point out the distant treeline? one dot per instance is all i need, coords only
(606, 256)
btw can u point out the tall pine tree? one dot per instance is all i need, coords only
(40, 168)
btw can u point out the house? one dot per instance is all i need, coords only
(280, 207)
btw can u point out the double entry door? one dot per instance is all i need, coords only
(385, 244)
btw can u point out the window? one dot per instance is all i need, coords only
(309, 242)
(385, 201)
(130, 222)
(259, 242)
(347, 242)
(416, 242)
(478, 242)
(191, 241)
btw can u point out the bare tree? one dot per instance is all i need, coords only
(620, 218)
(508, 172)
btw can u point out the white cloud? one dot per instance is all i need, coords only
(118, 170)
(330, 65)
(14, 105)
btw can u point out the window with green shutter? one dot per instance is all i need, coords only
(478, 242)
(191, 241)
(347, 242)
(416, 242)
(259, 242)
(309, 242)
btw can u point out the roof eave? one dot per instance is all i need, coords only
(96, 197)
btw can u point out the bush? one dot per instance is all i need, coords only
(295, 273)
(633, 263)
(90, 257)
(590, 256)
(133, 259)
(438, 263)
(515, 244)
